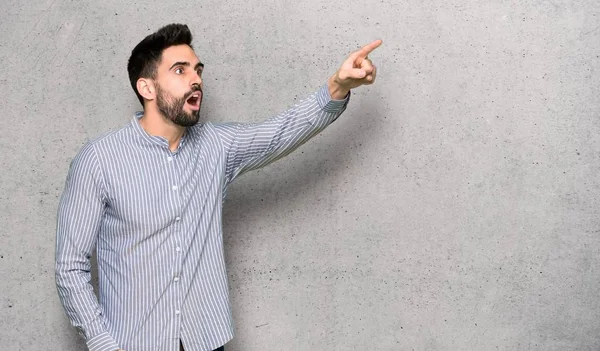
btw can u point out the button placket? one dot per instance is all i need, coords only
(178, 238)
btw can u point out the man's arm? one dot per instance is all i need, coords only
(251, 146)
(80, 213)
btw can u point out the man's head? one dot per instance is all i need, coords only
(165, 71)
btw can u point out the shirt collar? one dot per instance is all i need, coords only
(154, 139)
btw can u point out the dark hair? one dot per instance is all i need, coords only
(146, 55)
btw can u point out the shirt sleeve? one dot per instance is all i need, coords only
(80, 213)
(251, 146)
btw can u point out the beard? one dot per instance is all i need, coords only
(172, 107)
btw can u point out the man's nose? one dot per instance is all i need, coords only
(197, 79)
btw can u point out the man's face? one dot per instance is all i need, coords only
(179, 85)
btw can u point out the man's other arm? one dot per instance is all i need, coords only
(80, 214)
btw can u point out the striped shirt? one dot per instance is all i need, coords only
(154, 218)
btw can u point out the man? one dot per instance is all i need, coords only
(148, 197)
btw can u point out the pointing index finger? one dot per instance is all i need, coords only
(367, 49)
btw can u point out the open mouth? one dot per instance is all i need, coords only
(194, 100)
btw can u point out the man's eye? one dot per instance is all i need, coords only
(178, 70)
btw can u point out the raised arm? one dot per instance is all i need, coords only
(251, 146)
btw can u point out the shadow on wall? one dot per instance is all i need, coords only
(323, 167)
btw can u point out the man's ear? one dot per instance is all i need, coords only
(146, 88)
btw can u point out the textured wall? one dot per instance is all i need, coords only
(454, 206)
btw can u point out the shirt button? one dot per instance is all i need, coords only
(174, 187)
(177, 249)
(177, 312)
(177, 219)
(169, 158)
(176, 279)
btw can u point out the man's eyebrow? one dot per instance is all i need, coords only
(198, 66)
(179, 63)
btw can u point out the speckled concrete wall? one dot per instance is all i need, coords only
(454, 206)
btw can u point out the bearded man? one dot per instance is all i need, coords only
(148, 198)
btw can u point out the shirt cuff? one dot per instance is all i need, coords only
(102, 342)
(327, 103)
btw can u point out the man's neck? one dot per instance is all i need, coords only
(154, 123)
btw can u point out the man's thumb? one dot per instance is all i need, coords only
(354, 73)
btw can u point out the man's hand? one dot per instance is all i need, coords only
(357, 70)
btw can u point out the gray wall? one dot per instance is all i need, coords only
(454, 206)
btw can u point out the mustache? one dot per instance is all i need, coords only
(195, 88)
